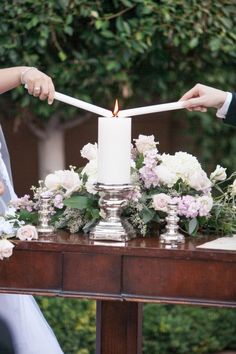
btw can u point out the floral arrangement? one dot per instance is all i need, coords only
(205, 204)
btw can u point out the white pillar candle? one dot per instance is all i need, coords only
(114, 150)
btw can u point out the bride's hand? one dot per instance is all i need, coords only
(38, 84)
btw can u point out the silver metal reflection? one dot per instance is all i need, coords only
(171, 235)
(113, 227)
(44, 215)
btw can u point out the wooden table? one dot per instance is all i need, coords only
(121, 277)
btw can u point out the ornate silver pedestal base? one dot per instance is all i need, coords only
(44, 216)
(112, 228)
(171, 236)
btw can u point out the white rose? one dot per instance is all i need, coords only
(160, 201)
(205, 205)
(90, 151)
(70, 181)
(145, 143)
(91, 169)
(52, 181)
(219, 174)
(6, 249)
(233, 190)
(27, 233)
(89, 185)
(67, 179)
(199, 180)
(165, 176)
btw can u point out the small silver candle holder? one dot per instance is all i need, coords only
(172, 236)
(113, 227)
(44, 215)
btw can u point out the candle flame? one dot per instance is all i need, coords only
(116, 109)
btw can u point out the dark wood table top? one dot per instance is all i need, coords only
(141, 270)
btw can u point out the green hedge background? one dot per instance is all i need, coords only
(167, 329)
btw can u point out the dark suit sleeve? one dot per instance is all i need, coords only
(231, 114)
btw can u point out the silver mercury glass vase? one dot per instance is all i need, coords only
(44, 215)
(112, 227)
(171, 235)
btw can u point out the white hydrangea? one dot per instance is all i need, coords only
(185, 166)
(165, 176)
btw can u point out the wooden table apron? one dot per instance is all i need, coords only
(120, 277)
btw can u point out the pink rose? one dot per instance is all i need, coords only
(6, 249)
(160, 202)
(27, 233)
(145, 143)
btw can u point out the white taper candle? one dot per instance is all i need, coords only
(151, 109)
(82, 104)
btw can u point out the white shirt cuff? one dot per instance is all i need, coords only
(222, 111)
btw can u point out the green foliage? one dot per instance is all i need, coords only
(166, 329)
(29, 217)
(73, 322)
(185, 329)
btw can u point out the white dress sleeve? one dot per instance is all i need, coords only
(5, 176)
(30, 331)
(8, 193)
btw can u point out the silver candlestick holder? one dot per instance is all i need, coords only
(171, 235)
(44, 215)
(113, 227)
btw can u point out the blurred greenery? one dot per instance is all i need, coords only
(142, 51)
(73, 322)
(167, 329)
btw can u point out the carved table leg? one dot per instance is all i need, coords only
(119, 327)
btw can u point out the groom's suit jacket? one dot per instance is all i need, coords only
(231, 114)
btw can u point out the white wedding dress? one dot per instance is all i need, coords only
(30, 331)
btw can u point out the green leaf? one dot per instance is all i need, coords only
(139, 161)
(88, 226)
(192, 226)
(62, 56)
(78, 202)
(193, 43)
(95, 213)
(147, 215)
